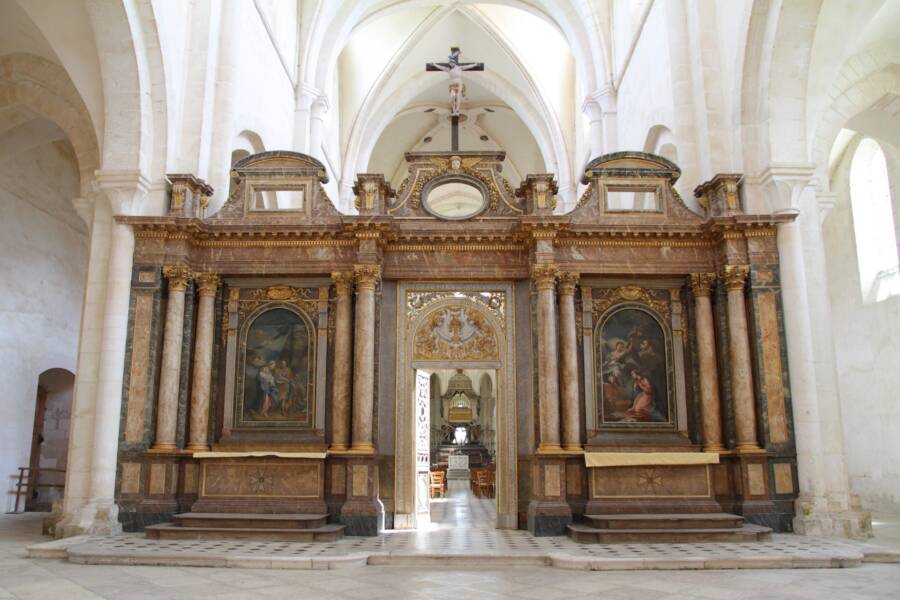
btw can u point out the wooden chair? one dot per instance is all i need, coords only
(485, 484)
(438, 483)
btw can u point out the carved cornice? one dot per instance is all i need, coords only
(567, 282)
(208, 283)
(544, 276)
(367, 276)
(343, 282)
(702, 283)
(658, 300)
(179, 276)
(735, 276)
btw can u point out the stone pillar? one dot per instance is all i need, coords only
(170, 371)
(544, 277)
(825, 505)
(198, 440)
(568, 362)
(367, 277)
(594, 113)
(710, 406)
(317, 126)
(343, 343)
(741, 369)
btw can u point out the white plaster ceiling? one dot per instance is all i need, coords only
(524, 103)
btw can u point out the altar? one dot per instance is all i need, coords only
(621, 367)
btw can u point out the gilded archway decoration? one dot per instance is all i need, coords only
(456, 332)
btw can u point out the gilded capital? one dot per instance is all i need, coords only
(208, 283)
(567, 282)
(178, 276)
(544, 276)
(702, 283)
(343, 282)
(367, 276)
(735, 276)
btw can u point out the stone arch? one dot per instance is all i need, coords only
(368, 130)
(850, 101)
(776, 63)
(332, 28)
(44, 88)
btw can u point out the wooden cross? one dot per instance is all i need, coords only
(454, 69)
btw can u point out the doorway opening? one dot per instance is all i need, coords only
(46, 475)
(456, 448)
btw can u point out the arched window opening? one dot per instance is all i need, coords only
(873, 223)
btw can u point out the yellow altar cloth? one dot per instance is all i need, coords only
(638, 459)
(259, 454)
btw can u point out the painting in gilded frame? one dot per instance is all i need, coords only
(632, 369)
(276, 370)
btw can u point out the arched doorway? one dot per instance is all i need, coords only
(459, 327)
(50, 439)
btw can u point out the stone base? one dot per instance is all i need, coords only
(94, 518)
(850, 523)
(545, 518)
(359, 524)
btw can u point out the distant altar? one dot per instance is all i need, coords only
(636, 347)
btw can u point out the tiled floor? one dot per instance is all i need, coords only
(462, 526)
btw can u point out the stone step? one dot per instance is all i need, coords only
(251, 520)
(170, 531)
(665, 521)
(584, 534)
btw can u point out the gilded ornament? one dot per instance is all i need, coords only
(735, 276)
(343, 282)
(456, 332)
(208, 283)
(702, 283)
(658, 300)
(544, 276)
(567, 282)
(179, 276)
(367, 276)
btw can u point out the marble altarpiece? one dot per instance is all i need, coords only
(638, 346)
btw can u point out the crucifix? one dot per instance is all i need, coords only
(454, 69)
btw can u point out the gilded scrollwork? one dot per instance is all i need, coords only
(494, 302)
(456, 332)
(658, 300)
(306, 299)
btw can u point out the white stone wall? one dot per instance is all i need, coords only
(867, 348)
(43, 256)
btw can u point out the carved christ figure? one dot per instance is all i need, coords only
(454, 69)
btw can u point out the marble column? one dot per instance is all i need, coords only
(568, 362)
(710, 406)
(198, 440)
(343, 343)
(741, 368)
(367, 277)
(170, 371)
(544, 277)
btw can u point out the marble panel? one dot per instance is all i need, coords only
(191, 479)
(773, 369)
(573, 480)
(756, 479)
(552, 481)
(784, 480)
(691, 481)
(157, 485)
(359, 485)
(140, 357)
(338, 479)
(261, 479)
(131, 478)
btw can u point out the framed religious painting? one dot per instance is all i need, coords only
(276, 369)
(633, 369)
